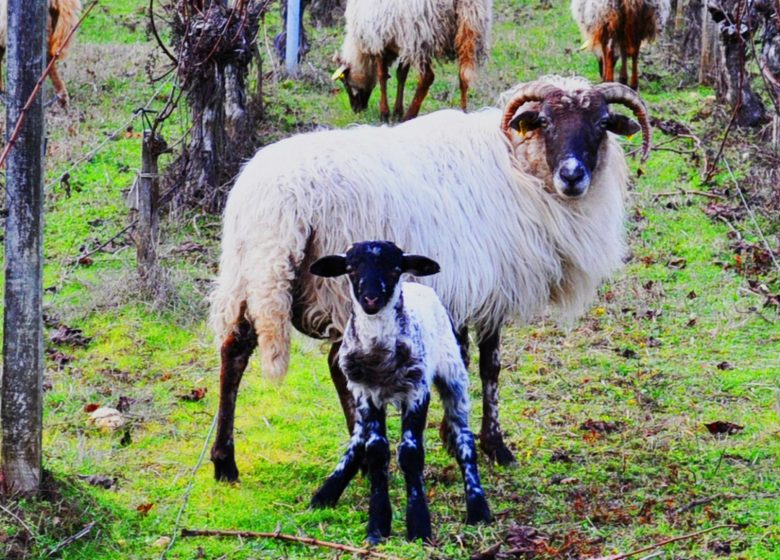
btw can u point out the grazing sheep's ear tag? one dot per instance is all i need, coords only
(584, 46)
(339, 73)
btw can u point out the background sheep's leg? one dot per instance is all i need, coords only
(426, 79)
(490, 438)
(609, 61)
(455, 400)
(236, 349)
(377, 459)
(340, 382)
(59, 86)
(445, 430)
(330, 492)
(411, 459)
(382, 75)
(401, 73)
(623, 68)
(634, 70)
(464, 91)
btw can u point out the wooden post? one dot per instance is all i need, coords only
(23, 358)
(708, 45)
(147, 204)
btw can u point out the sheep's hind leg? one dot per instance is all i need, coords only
(401, 74)
(330, 492)
(340, 382)
(411, 459)
(382, 74)
(490, 438)
(456, 408)
(377, 459)
(426, 79)
(236, 349)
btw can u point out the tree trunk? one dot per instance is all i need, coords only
(23, 358)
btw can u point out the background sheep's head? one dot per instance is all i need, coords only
(573, 125)
(358, 74)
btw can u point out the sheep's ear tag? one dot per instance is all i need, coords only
(339, 74)
(629, 137)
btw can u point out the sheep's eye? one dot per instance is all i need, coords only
(544, 122)
(604, 123)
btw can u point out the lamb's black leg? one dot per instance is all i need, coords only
(330, 492)
(377, 460)
(411, 459)
(490, 438)
(236, 349)
(462, 336)
(456, 409)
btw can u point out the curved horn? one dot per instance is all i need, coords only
(618, 93)
(532, 91)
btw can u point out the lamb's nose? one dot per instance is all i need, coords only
(370, 301)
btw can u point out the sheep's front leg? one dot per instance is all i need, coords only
(426, 79)
(382, 75)
(411, 459)
(401, 74)
(330, 492)
(236, 349)
(454, 396)
(377, 461)
(490, 438)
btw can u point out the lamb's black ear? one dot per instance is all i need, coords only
(622, 125)
(417, 265)
(525, 121)
(330, 266)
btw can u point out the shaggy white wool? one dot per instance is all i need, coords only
(420, 29)
(444, 185)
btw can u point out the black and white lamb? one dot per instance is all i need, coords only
(399, 341)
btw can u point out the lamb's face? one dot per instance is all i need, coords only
(573, 127)
(374, 269)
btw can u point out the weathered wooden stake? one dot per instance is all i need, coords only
(709, 46)
(147, 205)
(23, 358)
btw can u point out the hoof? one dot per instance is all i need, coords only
(322, 499)
(498, 453)
(421, 532)
(225, 469)
(385, 117)
(374, 538)
(478, 511)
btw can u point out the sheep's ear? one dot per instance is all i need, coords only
(525, 122)
(330, 266)
(417, 265)
(622, 125)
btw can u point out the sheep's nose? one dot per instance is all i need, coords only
(572, 174)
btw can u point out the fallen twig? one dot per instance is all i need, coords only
(289, 538)
(11, 514)
(692, 193)
(664, 542)
(73, 538)
(723, 496)
(103, 245)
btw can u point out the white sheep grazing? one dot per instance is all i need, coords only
(398, 343)
(63, 16)
(612, 27)
(414, 32)
(519, 223)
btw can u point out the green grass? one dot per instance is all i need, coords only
(620, 489)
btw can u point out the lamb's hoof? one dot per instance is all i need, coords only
(322, 499)
(422, 531)
(478, 511)
(225, 469)
(498, 452)
(375, 537)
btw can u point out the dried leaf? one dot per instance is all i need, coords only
(720, 427)
(162, 542)
(124, 403)
(724, 366)
(560, 456)
(692, 295)
(677, 263)
(59, 358)
(143, 509)
(85, 260)
(68, 335)
(194, 395)
(91, 407)
(628, 353)
(601, 426)
(99, 480)
(488, 554)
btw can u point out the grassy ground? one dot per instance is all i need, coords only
(674, 342)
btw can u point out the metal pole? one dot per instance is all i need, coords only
(21, 401)
(293, 35)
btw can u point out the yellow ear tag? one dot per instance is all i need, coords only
(339, 73)
(584, 46)
(629, 137)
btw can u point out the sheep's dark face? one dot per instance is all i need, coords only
(374, 269)
(573, 127)
(358, 84)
